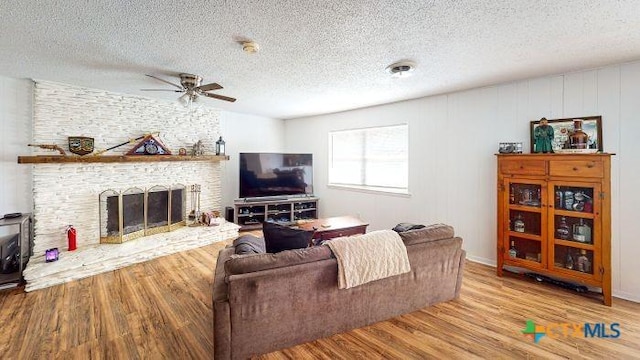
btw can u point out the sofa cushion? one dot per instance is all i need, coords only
(279, 238)
(242, 264)
(427, 233)
(249, 244)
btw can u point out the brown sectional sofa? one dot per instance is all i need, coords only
(266, 302)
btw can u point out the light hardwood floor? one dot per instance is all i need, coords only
(162, 309)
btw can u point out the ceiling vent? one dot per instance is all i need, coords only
(401, 69)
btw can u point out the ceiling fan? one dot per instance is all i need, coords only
(191, 86)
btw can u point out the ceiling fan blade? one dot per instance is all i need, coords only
(165, 81)
(220, 97)
(207, 87)
(161, 90)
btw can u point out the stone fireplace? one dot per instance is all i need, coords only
(146, 194)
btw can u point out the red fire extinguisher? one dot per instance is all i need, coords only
(71, 237)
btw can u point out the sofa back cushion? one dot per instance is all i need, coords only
(279, 238)
(427, 233)
(242, 264)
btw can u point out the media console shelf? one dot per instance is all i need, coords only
(251, 214)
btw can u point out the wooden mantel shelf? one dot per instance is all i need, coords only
(53, 159)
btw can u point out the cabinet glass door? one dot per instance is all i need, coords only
(575, 228)
(526, 216)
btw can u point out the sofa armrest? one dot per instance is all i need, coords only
(463, 259)
(221, 311)
(221, 330)
(220, 288)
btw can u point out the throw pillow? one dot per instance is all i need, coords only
(249, 244)
(279, 238)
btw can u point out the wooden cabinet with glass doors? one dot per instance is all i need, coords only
(554, 217)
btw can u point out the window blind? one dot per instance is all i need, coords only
(372, 157)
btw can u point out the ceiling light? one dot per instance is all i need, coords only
(250, 47)
(401, 69)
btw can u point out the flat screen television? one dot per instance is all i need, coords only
(275, 175)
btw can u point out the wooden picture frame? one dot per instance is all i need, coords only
(562, 128)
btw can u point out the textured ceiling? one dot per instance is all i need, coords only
(315, 56)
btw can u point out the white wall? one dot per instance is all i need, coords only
(15, 133)
(452, 142)
(246, 133)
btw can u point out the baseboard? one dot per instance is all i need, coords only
(626, 296)
(482, 260)
(617, 294)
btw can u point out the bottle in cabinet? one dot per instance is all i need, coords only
(518, 224)
(563, 229)
(513, 253)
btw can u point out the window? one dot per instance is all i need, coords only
(373, 158)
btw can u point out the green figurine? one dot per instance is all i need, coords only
(543, 136)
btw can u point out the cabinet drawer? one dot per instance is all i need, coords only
(522, 167)
(577, 168)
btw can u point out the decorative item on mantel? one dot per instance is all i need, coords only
(220, 147)
(50, 147)
(130, 141)
(80, 145)
(198, 149)
(149, 145)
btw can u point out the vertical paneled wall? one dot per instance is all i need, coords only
(452, 142)
(15, 133)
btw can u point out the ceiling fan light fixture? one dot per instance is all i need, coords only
(401, 69)
(250, 47)
(191, 87)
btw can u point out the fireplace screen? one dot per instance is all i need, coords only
(135, 213)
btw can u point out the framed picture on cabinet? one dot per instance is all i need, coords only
(572, 135)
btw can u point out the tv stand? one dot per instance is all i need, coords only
(250, 213)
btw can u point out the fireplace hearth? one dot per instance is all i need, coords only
(134, 213)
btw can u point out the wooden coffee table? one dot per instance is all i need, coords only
(329, 228)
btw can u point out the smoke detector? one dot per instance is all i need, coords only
(401, 69)
(250, 47)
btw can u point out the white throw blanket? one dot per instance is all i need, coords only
(372, 256)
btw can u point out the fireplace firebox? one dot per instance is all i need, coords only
(134, 213)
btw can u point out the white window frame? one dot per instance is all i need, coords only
(403, 191)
